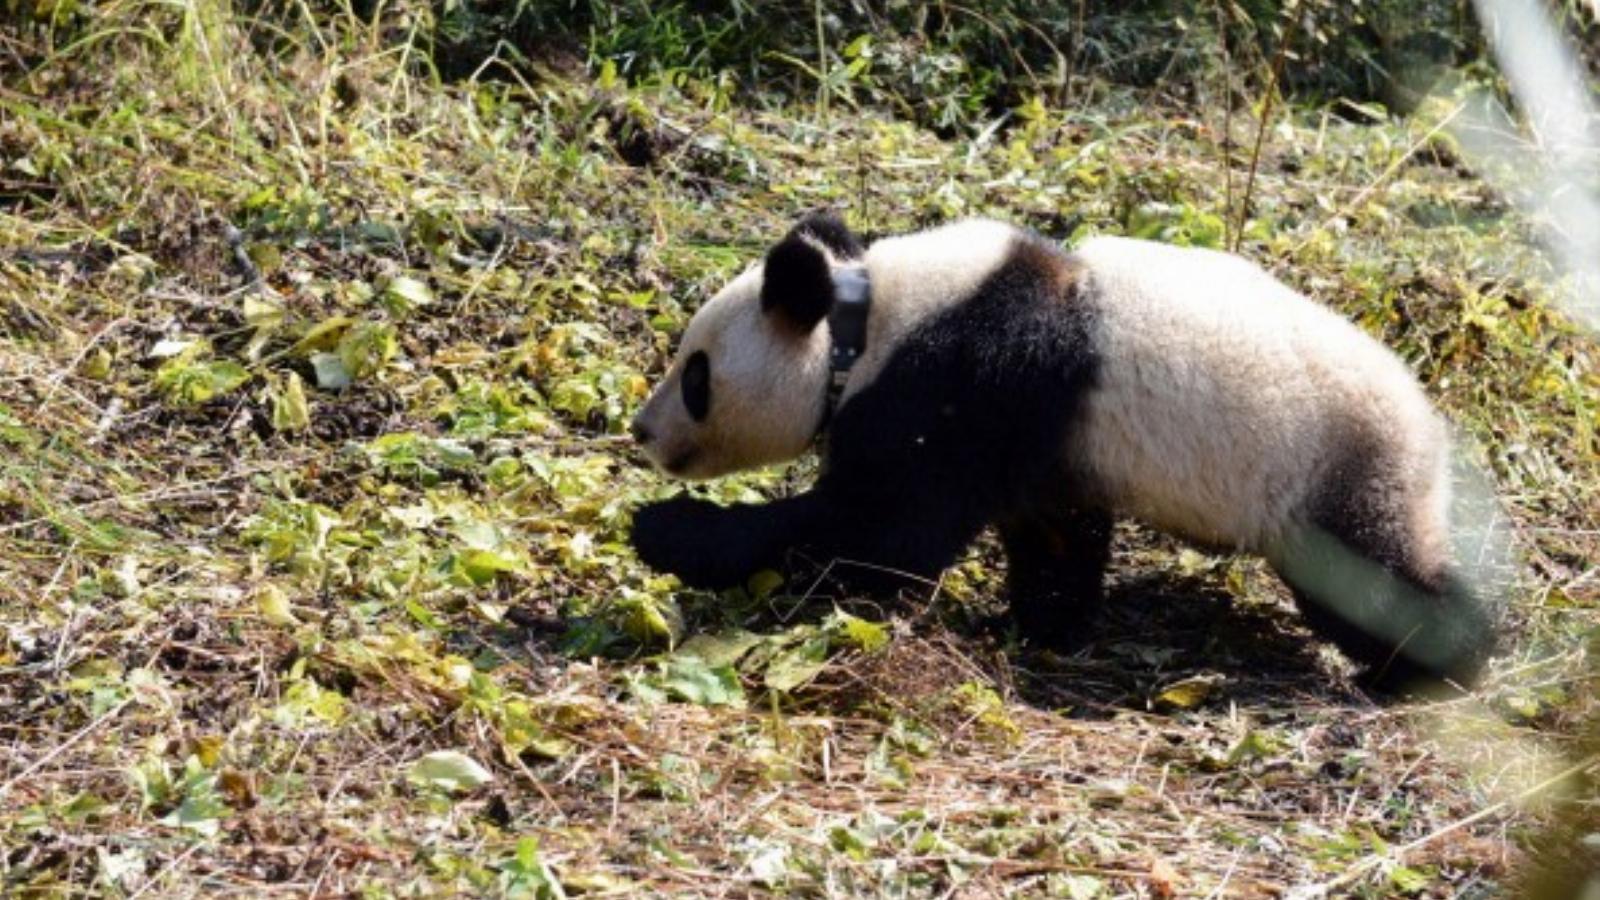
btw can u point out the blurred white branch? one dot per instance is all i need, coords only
(1555, 175)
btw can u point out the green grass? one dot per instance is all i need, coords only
(314, 372)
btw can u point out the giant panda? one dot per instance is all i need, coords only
(977, 375)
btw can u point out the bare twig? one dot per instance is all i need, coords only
(1227, 125)
(1261, 130)
(1384, 176)
(62, 747)
(1376, 860)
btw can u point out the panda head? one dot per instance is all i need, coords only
(747, 386)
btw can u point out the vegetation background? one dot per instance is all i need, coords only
(320, 321)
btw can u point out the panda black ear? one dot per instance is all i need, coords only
(796, 284)
(830, 231)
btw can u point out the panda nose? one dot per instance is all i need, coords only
(640, 432)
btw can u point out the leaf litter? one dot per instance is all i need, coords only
(313, 570)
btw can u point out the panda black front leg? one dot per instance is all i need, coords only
(1055, 569)
(894, 534)
(875, 535)
(715, 547)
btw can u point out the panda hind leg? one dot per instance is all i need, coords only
(1055, 569)
(1388, 599)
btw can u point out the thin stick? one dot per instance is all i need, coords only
(1362, 195)
(1227, 126)
(167, 869)
(184, 491)
(1261, 131)
(62, 747)
(1362, 868)
(822, 66)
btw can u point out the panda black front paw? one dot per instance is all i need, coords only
(692, 539)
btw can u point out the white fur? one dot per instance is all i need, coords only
(767, 384)
(1224, 394)
(917, 276)
(766, 389)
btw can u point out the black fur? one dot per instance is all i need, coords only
(796, 284)
(1357, 581)
(696, 381)
(830, 231)
(964, 427)
(1055, 561)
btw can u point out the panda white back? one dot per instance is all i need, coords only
(1223, 395)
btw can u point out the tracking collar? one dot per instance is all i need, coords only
(847, 325)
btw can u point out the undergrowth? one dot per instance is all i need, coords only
(317, 357)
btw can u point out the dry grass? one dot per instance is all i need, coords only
(232, 621)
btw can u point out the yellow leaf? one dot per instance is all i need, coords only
(1188, 693)
(290, 410)
(274, 605)
(208, 749)
(97, 365)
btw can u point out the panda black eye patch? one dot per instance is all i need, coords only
(697, 385)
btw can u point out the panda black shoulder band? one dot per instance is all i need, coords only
(847, 325)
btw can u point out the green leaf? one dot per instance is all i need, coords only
(691, 679)
(261, 199)
(482, 566)
(723, 649)
(306, 702)
(332, 375)
(868, 637)
(450, 771)
(262, 312)
(1255, 745)
(796, 666)
(452, 454)
(424, 616)
(274, 605)
(324, 336)
(649, 619)
(985, 707)
(521, 732)
(762, 584)
(84, 807)
(526, 874)
(403, 294)
(97, 365)
(367, 348)
(411, 455)
(849, 842)
(189, 382)
(202, 808)
(1188, 693)
(1408, 881)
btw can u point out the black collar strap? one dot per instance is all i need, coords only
(847, 324)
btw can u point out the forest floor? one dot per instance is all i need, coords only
(314, 495)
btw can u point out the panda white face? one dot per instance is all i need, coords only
(745, 390)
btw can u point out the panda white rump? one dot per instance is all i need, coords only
(1224, 397)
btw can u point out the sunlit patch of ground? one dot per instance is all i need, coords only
(314, 495)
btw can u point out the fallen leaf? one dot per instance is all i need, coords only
(450, 770)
